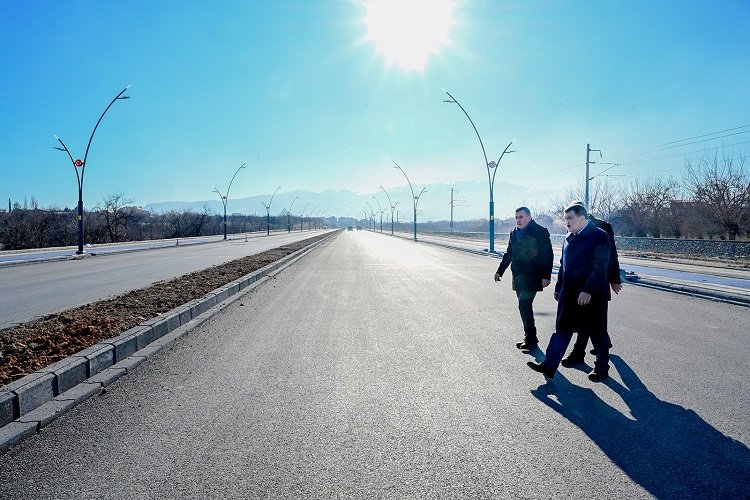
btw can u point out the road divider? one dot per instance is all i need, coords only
(32, 402)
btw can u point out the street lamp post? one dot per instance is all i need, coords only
(288, 216)
(381, 213)
(371, 223)
(82, 165)
(492, 168)
(225, 198)
(393, 207)
(302, 216)
(319, 219)
(268, 212)
(415, 198)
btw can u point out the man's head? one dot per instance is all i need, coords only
(523, 217)
(575, 216)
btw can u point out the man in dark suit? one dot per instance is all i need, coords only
(578, 353)
(581, 292)
(530, 257)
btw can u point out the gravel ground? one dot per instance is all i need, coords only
(28, 347)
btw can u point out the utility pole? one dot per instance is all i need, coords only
(452, 209)
(588, 177)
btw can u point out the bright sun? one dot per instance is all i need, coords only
(408, 32)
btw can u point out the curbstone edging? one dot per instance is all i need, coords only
(46, 413)
(15, 432)
(33, 401)
(6, 408)
(68, 372)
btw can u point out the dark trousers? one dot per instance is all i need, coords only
(589, 321)
(582, 341)
(526, 308)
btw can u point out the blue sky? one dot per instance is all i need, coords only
(296, 90)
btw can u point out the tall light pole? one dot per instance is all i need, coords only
(268, 212)
(492, 168)
(225, 197)
(82, 165)
(381, 213)
(302, 215)
(393, 207)
(372, 216)
(415, 198)
(288, 216)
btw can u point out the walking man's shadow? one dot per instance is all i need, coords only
(669, 450)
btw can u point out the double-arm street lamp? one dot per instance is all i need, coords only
(492, 168)
(288, 216)
(381, 213)
(77, 163)
(393, 207)
(415, 198)
(371, 223)
(268, 212)
(225, 198)
(302, 216)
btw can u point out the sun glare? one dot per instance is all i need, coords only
(408, 32)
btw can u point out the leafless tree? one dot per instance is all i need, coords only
(116, 214)
(605, 200)
(720, 186)
(645, 204)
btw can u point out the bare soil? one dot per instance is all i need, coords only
(27, 347)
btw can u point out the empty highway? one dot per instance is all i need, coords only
(377, 367)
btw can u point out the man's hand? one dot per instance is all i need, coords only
(497, 277)
(555, 295)
(545, 283)
(616, 287)
(584, 298)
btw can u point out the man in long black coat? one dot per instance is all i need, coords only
(578, 353)
(581, 292)
(530, 257)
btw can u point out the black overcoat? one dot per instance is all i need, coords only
(585, 270)
(530, 258)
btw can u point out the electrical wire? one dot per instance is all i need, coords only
(683, 142)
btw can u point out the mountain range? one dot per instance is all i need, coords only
(470, 201)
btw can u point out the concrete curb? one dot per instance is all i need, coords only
(714, 294)
(32, 402)
(693, 291)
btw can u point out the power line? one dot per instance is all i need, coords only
(678, 154)
(675, 144)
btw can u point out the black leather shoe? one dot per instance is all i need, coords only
(596, 376)
(571, 361)
(539, 367)
(527, 346)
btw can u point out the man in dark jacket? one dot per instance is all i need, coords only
(530, 257)
(578, 353)
(581, 292)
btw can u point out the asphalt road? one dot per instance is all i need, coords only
(376, 367)
(38, 289)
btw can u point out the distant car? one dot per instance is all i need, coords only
(350, 228)
(359, 228)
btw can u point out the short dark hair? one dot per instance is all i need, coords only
(577, 209)
(523, 209)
